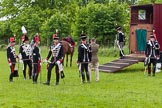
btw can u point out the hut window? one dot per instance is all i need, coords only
(142, 15)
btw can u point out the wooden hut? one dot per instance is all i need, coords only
(144, 18)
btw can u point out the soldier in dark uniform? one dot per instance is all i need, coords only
(11, 57)
(153, 53)
(36, 60)
(36, 36)
(120, 42)
(25, 52)
(84, 57)
(56, 50)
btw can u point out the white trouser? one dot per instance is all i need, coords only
(95, 67)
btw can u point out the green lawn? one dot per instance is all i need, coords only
(128, 88)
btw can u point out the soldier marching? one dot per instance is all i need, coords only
(11, 57)
(84, 57)
(25, 53)
(57, 53)
(120, 42)
(152, 54)
(36, 58)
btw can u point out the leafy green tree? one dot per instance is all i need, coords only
(57, 21)
(149, 1)
(100, 21)
(98, 18)
(5, 32)
(31, 18)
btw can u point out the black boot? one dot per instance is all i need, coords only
(11, 77)
(83, 78)
(153, 70)
(36, 77)
(88, 77)
(57, 79)
(57, 83)
(46, 83)
(24, 73)
(30, 74)
(29, 77)
(48, 79)
(149, 71)
(62, 75)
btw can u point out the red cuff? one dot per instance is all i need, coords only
(9, 61)
(77, 62)
(39, 61)
(60, 60)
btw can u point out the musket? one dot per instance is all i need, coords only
(146, 62)
(79, 67)
(120, 49)
(115, 45)
(40, 72)
(145, 71)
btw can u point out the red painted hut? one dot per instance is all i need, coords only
(144, 18)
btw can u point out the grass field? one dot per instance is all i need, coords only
(128, 88)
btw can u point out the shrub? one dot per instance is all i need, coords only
(3, 47)
(111, 51)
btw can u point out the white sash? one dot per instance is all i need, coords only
(84, 46)
(56, 46)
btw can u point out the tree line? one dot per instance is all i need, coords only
(97, 18)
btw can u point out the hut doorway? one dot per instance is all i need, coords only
(141, 35)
